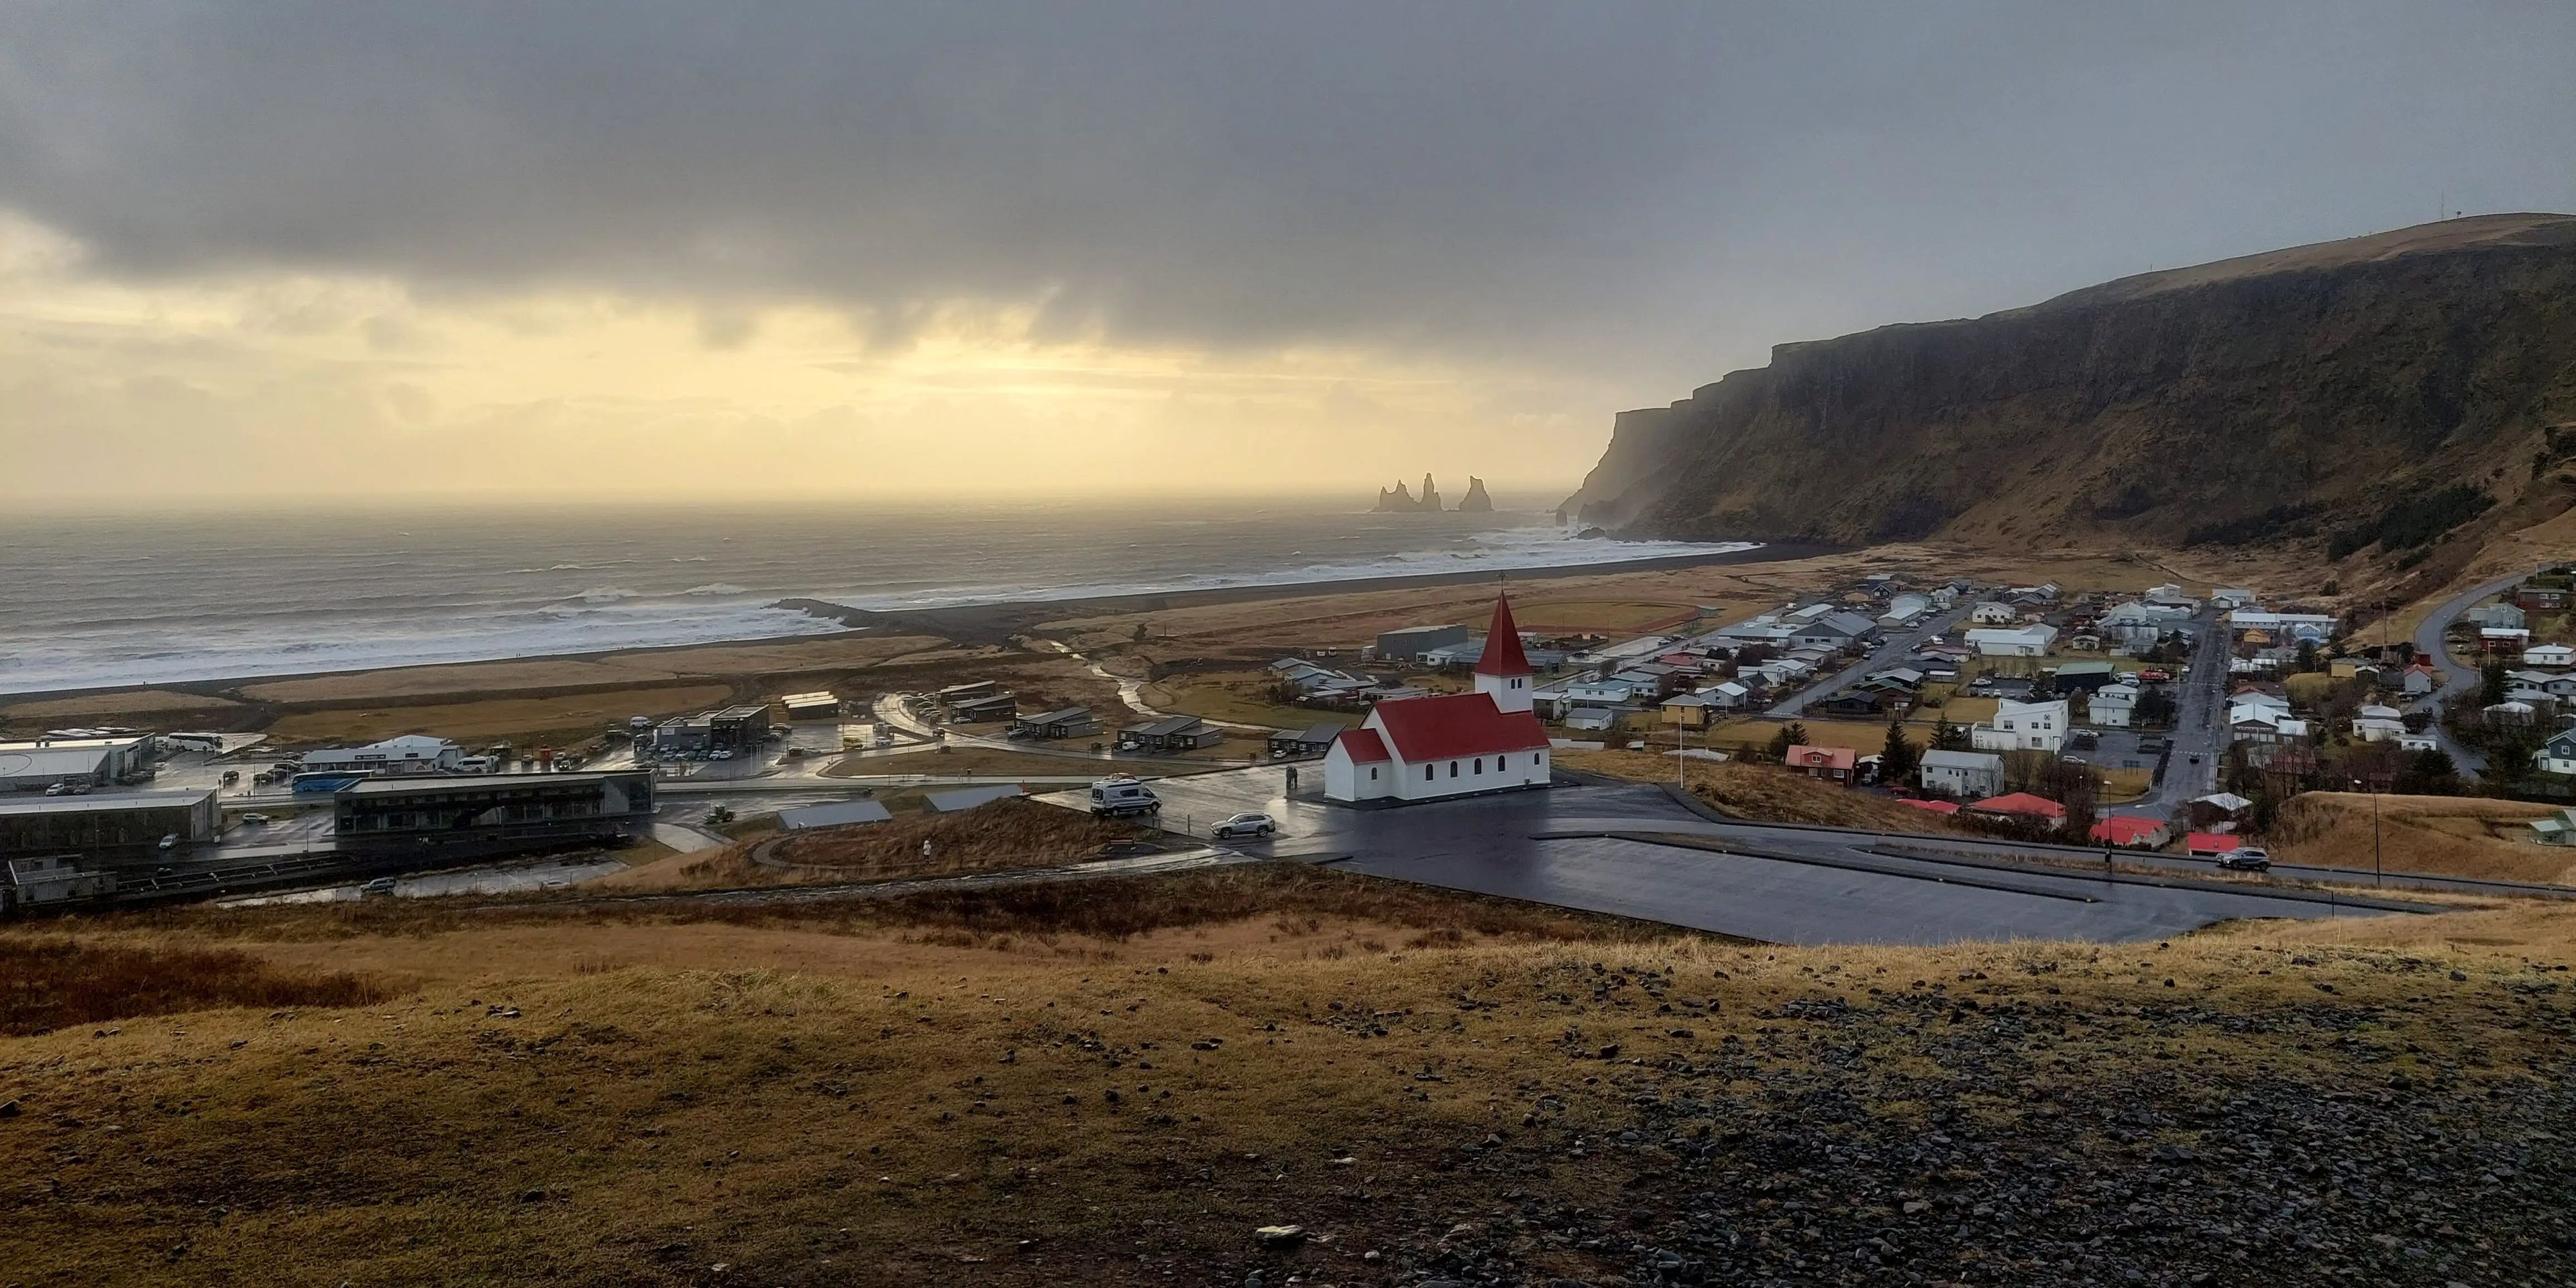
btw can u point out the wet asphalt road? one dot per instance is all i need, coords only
(1632, 850)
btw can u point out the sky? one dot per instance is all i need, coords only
(525, 249)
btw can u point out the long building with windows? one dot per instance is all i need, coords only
(492, 811)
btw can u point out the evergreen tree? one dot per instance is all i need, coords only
(2491, 682)
(1896, 760)
(1948, 737)
(1790, 735)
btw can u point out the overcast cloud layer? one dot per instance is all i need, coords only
(1638, 196)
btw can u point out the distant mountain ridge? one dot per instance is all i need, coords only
(2284, 396)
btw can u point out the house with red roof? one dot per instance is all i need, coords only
(1833, 764)
(1449, 744)
(2023, 806)
(2203, 845)
(2130, 830)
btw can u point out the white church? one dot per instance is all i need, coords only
(1451, 744)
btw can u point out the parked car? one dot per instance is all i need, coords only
(2245, 858)
(254, 820)
(379, 887)
(169, 842)
(1122, 796)
(1252, 824)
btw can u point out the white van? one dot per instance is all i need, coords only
(1122, 797)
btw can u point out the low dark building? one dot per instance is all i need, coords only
(1170, 734)
(978, 710)
(1311, 742)
(1853, 702)
(1070, 722)
(125, 825)
(492, 813)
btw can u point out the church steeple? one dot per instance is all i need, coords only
(1503, 673)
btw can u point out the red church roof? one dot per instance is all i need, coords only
(1503, 655)
(1457, 724)
(1363, 746)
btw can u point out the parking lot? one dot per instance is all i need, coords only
(1605, 849)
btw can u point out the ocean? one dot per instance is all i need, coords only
(155, 598)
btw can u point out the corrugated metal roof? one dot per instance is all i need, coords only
(107, 803)
(834, 815)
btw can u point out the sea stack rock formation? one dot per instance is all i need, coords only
(1402, 501)
(1475, 502)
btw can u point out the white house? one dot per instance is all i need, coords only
(2549, 655)
(411, 753)
(2027, 641)
(1972, 774)
(2377, 729)
(2254, 704)
(1452, 744)
(1990, 613)
(2231, 597)
(2022, 726)
(2112, 705)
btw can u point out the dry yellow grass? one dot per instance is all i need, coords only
(1765, 792)
(1236, 697)
(988, 762)
(477, 678)
(123, 703)
(2454, 835)
(558, 1094)
(564, 715)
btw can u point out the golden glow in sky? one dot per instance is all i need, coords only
(251, 385)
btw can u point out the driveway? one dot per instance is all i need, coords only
(2459, 679)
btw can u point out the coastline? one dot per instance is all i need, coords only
(995, 623)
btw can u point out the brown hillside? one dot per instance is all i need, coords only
(2314, 386)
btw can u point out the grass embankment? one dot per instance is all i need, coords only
(2453, 835)
(1117, 1084)
(1765, 792)
(1004, 835)
(53, 983)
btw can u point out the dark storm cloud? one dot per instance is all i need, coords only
(1642, 185)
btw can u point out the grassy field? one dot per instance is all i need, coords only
(1106, 1085)
(1543, 612)
(2461, 836)
(1761, 791)
(989, 762)
(130, 704)
(1867, 737)
(1236, 697)
(566, 717)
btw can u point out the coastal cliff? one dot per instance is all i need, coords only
(1476, 501)
(2283, 396)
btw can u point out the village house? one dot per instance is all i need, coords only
(1406, 646)
(1994, 613)
(2558, 755)
(2420, 679)
(2230, 597)
(1453, 744)
(1835, 631)
(2496, 615)
(2022, 726)
(2375, 723)
(1832, 764)
(2070, 677)
(2026, 641)
(1690, 711)
(2132, 832)
(2549, 655)
(2021, 807)
(1962, 773)
(2113, 706)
